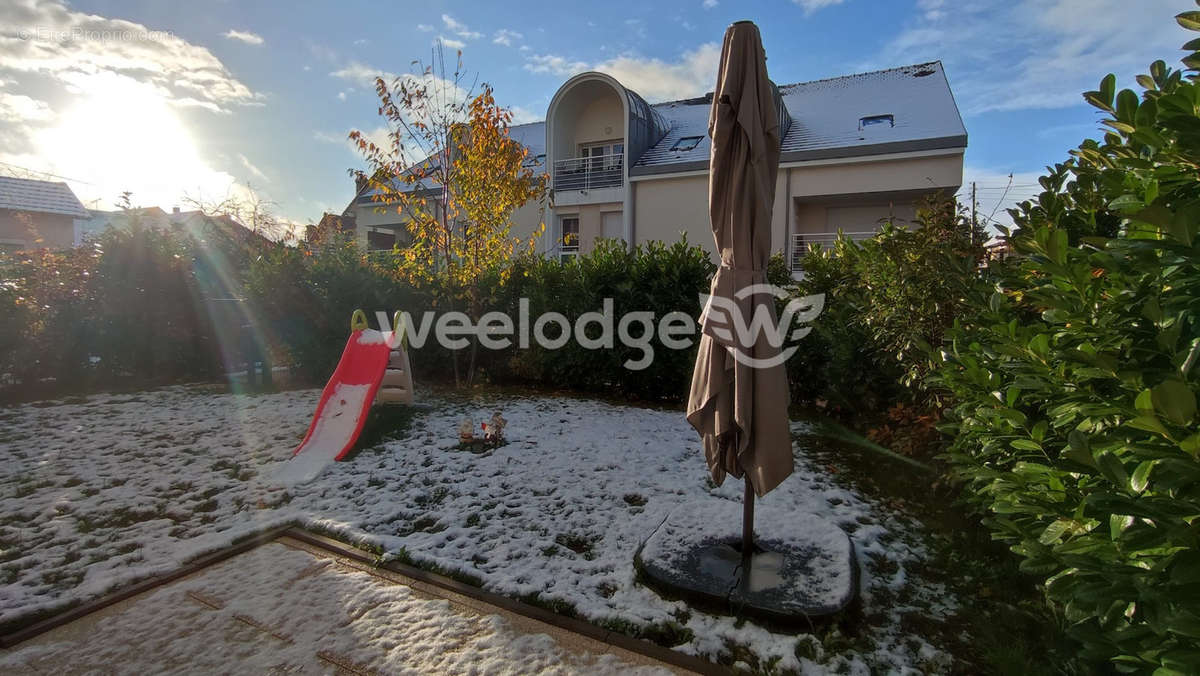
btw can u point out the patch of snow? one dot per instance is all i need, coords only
(371, 337)
(99, 493)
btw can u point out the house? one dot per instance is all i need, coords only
(856, 151)
(36, 214)
(123, 219)
(333, 223)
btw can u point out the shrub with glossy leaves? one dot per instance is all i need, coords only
(1075, 425)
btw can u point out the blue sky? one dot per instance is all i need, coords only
(184, 99)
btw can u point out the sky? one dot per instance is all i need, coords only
(208, 100)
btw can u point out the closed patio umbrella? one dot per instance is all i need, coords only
(739, 397)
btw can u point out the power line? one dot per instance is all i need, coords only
(46, 173)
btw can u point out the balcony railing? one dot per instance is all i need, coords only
(585, 173)
(801, 241)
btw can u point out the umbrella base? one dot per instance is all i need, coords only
(803, 566)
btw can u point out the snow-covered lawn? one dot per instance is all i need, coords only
(103, 490)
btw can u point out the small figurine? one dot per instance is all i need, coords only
(466, 431)
(495, 428)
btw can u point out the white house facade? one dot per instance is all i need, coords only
(856, 151)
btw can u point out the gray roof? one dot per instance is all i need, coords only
(825, 120)
(26, 194)
(826, 117)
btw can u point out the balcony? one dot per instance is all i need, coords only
(588, 173)
(801, 241)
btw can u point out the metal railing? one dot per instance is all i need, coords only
(585, 173)
(802, 240)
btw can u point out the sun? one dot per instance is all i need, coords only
(125, 135)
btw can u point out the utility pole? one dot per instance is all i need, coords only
(974, 222)
(974, 206)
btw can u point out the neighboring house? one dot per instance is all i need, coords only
(123, 219)
(35, 214)
(856, 151)
(331, 223)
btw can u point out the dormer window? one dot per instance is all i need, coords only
(876, 121)
(687, 143)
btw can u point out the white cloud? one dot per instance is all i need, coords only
(100, 99)
(61, 42)
(379, 136)
(522, 115)
(693, 74)
(505, 37)
(244, 36)
(811, 6)
(459, 28)
(1036, 53)
(709, 4)
(341, 96)
(17, 109)
(451, 42)
(327, 137)
(254, 171)
(362, 74)
(554, 65)
(424, 28)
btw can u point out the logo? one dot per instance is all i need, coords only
(730, 327)
(640, 331)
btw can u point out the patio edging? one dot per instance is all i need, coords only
(86, 608)
(576, 626)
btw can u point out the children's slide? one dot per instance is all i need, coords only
(344, 403)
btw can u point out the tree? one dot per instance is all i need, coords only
(450, 169)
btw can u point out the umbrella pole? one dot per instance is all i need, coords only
(748, 520)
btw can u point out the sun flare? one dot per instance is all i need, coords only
(124, 135)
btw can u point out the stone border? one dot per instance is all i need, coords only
(195, 565)
(581, 627)
(338, 548)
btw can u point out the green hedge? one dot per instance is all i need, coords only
(126, 309)
(1075, 385)
(305, 295)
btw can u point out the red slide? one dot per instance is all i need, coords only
(344, 404)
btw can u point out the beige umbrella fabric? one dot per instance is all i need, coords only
(740, 410)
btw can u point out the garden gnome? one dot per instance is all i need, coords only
(495, 427)
(466, 431)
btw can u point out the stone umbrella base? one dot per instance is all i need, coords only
(803, 566)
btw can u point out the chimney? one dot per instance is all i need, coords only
(360, 182)
(175, 210)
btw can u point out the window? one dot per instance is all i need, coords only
(687, 143)
(568, 233)
(876, 121)
(603, 155)
(380, 240)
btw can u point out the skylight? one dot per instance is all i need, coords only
(876, 120)
(687, 143)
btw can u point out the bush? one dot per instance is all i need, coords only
(1075, 417)
(886, 300)
(654, 278)
(125, 309)
(302, 298)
